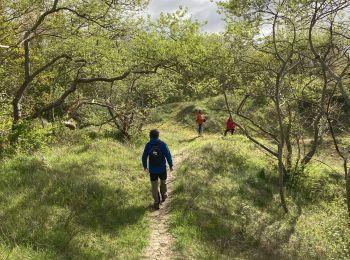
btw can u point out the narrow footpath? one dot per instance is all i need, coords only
(161, 241)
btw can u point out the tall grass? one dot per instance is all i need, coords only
(226, 206)
(85, 201)
(84, 197)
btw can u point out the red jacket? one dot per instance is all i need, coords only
(200, 118)
(230, 124)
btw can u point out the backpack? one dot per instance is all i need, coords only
(156, 156)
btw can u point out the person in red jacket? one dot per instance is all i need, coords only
(230, 126)
(200, 119)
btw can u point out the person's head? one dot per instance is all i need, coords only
(154, 134)
(230, 117)
(199, 111)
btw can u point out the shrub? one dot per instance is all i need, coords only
(28, 136)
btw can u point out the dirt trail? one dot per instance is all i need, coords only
(161, 242)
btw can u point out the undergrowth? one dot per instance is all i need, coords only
(83, 200)
(226, 206)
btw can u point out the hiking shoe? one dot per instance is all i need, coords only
(164, 197)
(156, 205)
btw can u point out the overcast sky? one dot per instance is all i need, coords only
(202, 10)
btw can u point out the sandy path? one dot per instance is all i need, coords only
(161, 242)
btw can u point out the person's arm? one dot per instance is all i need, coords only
(168, 156)
(144, 157)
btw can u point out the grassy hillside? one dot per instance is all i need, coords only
(184, 114)
(86, 197)
(227, 204)
(87, 200)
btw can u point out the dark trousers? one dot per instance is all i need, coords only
(155, 176)
(155, 186)
(200, 129)
(229, 130)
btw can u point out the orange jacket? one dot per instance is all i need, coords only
(199, 118)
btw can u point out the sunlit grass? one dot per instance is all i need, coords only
(83, 201)
(86, 197)
(227, 206)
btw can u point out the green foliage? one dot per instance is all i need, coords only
(80, 201)
(28, 136)
(321, 233)
(5, 128)
(317, 184)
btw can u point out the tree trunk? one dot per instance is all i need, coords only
(16, 102)
(315, 142)
(289, 146)
(347, 180)
(281, 168)
(289, 152)
(226, 100)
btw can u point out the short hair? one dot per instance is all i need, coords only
(154, 133)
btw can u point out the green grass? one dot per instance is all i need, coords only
(226, 203)
(86, 197)
(85, 201)
(184, 114)
(226, 206)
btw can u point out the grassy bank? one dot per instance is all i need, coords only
(87, 200)
(226, 206)
(226, 203)
(86, 197)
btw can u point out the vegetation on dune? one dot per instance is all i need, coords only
(226, 206)
(86, 200)
(279, 189)
(226, 198)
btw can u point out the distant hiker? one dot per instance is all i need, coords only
(230, 126)
(200, 120)
(157, 153)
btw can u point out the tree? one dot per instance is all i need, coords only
(50, 34)
(286, 70)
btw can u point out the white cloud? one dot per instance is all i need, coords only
(202, 10)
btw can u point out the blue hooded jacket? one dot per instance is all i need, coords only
(165, 151)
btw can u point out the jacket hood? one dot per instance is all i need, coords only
(154, 140)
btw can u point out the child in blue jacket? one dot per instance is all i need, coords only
(157, 153)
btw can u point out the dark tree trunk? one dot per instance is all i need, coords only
(314, 144)
(289, 153)
(347, 180)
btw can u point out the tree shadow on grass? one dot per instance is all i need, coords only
(46, 207)
(188, 140)
(227, 226)
(230, 234)
(187, 115)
